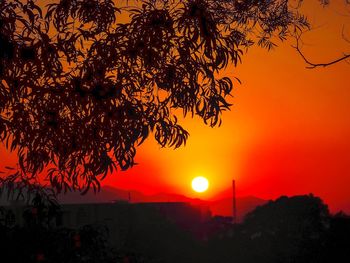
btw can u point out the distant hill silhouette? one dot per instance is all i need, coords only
(221, 207)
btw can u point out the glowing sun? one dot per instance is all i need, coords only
(200, 184)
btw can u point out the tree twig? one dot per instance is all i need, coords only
(312, 65)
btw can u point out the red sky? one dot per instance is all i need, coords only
(288, 132)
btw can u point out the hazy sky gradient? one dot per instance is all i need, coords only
(287, 133)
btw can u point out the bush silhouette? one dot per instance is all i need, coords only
(289, 229)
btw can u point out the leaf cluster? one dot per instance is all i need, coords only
(83, 83)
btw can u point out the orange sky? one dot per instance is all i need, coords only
(287, 133)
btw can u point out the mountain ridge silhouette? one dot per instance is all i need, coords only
(220, 207)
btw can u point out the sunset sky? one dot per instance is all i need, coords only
(287, 133)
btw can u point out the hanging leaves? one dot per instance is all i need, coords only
(83, 83)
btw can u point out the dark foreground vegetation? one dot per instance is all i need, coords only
(296, 229)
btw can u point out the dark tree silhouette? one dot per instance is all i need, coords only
(38, 242)
(84, 82)
(339, 238)
(289, 229)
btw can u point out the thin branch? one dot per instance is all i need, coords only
(312, 65)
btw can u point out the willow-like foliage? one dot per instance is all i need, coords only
(83, 83)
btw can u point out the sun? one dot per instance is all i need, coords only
(200, 184)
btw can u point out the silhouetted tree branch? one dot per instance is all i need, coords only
(83, 83)
(312, 65)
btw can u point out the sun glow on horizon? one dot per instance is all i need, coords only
(200, 184)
